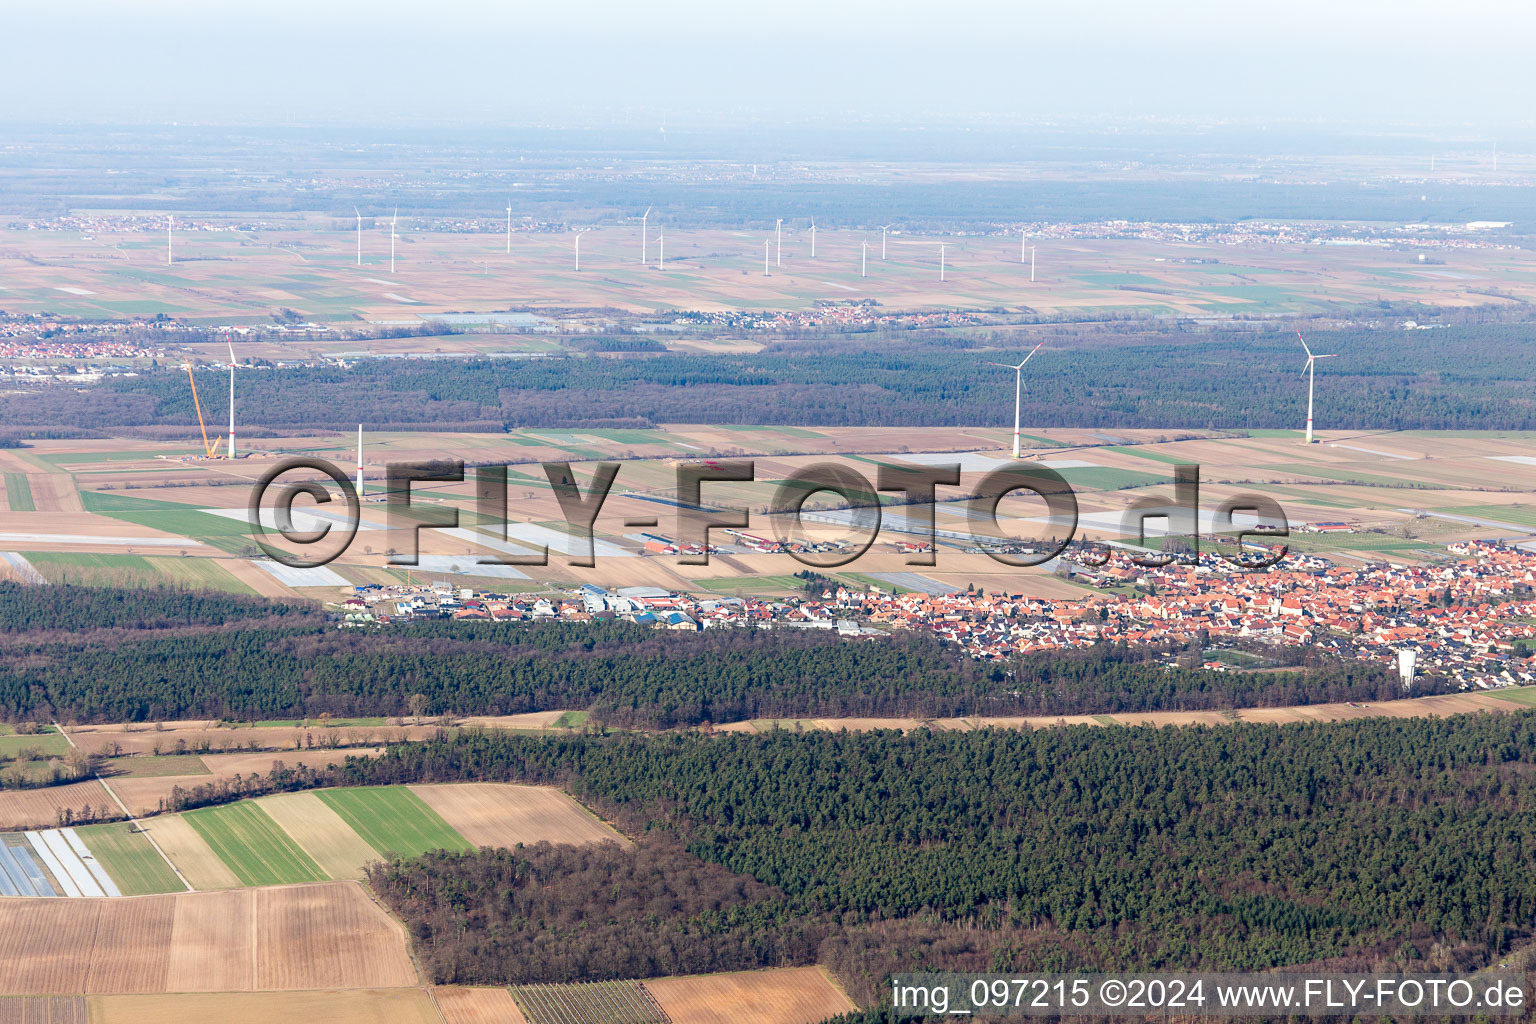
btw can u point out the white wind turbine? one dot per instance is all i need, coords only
(1018, 393)
(883, 229)
(392, 237)
(359, 235)
(231, 396)
(778, 253)
(813, 238)
(643, 218)
(1311, 368)
(864, 261)
(509, 229)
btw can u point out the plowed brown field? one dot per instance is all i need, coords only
(329, 935)
(796, 995)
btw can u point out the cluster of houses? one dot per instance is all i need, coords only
(1472, 619)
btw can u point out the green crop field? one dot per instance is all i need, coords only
(1521, 515)
(1102, 478)
(230, 535)
(251, 844)
(1143, 453)
(394, 820)
(1519, 695)
(199, 574)
(135, 865)
(750, 584)
(1347, 476)
(92, 569)
(102, 569)
(50, 744)
(18, 493)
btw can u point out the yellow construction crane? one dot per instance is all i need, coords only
(211, 450)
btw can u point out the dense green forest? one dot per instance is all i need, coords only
(1358, 845)
(68, 608)
(202, 662)
(1468, 376)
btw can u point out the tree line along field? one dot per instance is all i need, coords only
(1462, 376)
(622, 674)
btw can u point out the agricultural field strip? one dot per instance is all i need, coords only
(322, 833)
(124, 851)
(72, 840)
(69, 867)
(254, 846)
(20, 871)
(394, 820)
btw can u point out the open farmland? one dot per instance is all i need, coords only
(135, 865)
(42, 1010)
(394, 820)
(302, 937)
(321, 835)
(190, 852)
(496, 814)
(32, 808)
(333, 845)
(332, 1006)
(477, 1005)
(226, 275)
(1403, 494)
(254, 847)
(797, 995)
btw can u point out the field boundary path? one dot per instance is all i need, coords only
(132, 821)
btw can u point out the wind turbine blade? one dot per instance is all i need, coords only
(1032, 353)
(1304, 344)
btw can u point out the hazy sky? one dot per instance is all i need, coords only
(597, 60)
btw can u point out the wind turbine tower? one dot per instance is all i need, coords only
(767, 242)
(813, 238)
(778, 257)
(643, 218)
(661, 250)
(1311, 368)
(1023, 243)
(864, 261)
(231, 397)
(359, 235)
(359, 460)
(941, 262)
(170, 226)
(392, 237)
(509, 229)
(1018, 393)
(578, 252)
(883, 229)
(1031, 264)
